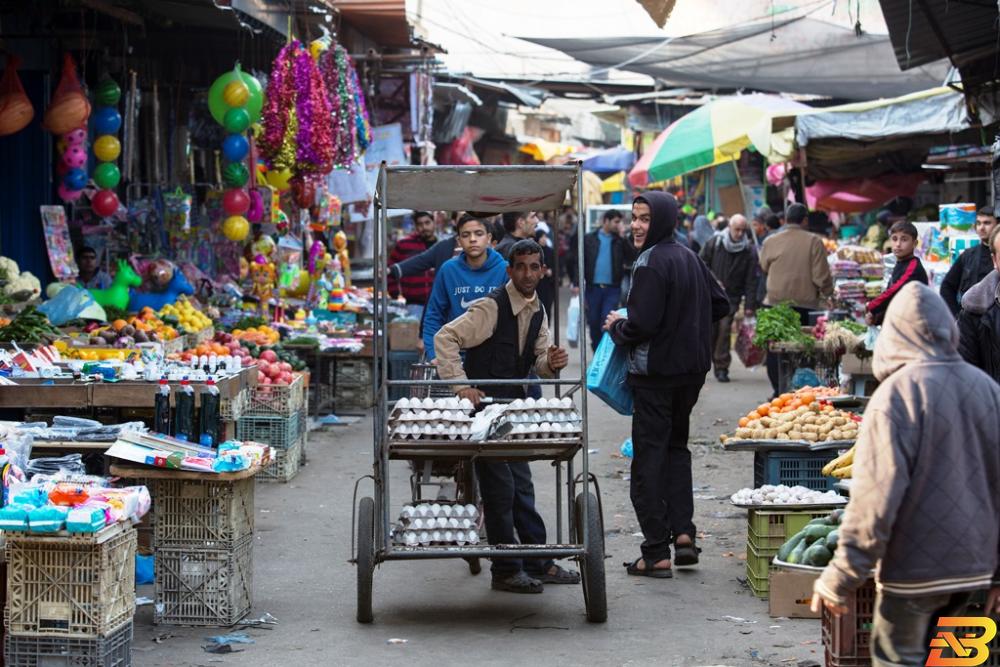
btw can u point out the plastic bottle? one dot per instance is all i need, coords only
(161, 408)
(184, 413)
(209, 413)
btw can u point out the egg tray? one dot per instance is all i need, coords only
(404, 431)
(422, 538)
(449, 403)
(437, 510)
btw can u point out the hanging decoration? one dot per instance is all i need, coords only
(297, 126)
(106, 121)
(352, 128)
(15, 107)
(67, 117)
(235, 101)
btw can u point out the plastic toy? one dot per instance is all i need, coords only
(157, 300)
(340, 247)
(118, 294)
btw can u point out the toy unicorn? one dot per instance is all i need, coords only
(157, 300)
(118, 294)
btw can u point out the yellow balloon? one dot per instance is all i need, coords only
(107, 148)
(236, 93)
(278, 179)
(317, 47)
(235, 228)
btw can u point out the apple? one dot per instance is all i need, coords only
(264, 367)
(269, 356)
(285, 367)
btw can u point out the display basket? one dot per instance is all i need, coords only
(231, 409)
(278, 432)
(759, 569)
(847, 637)
(793, 469)
(113, 650)
(70, 585)
(285, 466)
(268, 400)
(202, 513)
(204, 587)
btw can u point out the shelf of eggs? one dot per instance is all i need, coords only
(445, 419)
(437, 523)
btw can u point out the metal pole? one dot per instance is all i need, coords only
(583, 348)
(383, 297)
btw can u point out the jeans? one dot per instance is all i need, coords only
(600, 300)
(509, 505)
(903, 627)
(661, 485)
(773, 361)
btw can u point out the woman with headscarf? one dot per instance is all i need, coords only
(702, 233)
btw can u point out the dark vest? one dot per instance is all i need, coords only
(498, 357)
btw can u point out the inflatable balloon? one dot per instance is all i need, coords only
(235, 93)
(235, 175)
(235, 228)
(75, 157)
(107, 148)
(255, 212)
(178, 285)
(217, 103)
(235, 147)
(108, 93)
(104, 204)
(107, 120)
(107, 175)
(304, 192)
(66, 194)
(118, 294)
(236, 120)
(235, 202)
(75, 179)
(76, 137)
(279, 179)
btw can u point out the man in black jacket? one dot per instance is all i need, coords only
(732, 258)
(668, 333)
(972, 265)
(603, 266)
(979, 323)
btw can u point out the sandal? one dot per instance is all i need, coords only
(648, 571)
(518, 582)
(561, 576)
(686, 554)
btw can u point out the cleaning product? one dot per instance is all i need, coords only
(184, 413)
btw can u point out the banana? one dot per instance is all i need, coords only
(843, 473)
(845, 459)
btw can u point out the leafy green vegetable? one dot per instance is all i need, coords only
(250, 322)
(780, 324)
(852, 326)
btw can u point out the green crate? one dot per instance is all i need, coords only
(769, 529)
(759, 570)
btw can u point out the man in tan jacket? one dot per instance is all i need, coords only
(794, 263)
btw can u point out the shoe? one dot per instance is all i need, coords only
(722, 376)
(519, 582)
(561, 576)
(686, 554)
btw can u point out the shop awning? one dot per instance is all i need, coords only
(714, 133)
(795, 54)
(614, 159)
(858, 195)
(543, 150)
(381, 20)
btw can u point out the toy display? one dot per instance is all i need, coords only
(118, 294)
(107, 148)
(177, 286)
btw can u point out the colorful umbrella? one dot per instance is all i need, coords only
(714, 133)
(610, 161)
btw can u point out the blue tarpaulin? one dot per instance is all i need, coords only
(610, 161)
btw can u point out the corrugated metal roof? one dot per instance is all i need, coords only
(382, 20)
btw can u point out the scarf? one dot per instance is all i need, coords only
(703, 230)
(734, 246)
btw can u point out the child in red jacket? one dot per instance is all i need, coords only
(903, 238)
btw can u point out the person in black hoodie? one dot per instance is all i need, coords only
(672, 304)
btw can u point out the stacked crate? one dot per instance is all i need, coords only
(276, 417)
(353, 384)
(767, 530)
(204, 551)
(70, 598)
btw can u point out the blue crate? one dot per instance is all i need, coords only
(793, 469)
(400, 362)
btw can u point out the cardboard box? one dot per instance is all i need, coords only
(851, 364)
(791, 593)
(404, 334)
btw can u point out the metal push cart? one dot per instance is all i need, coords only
(489, 190)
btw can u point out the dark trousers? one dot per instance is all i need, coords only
(600, 300)
(722, 335)
(661, 486)
(773, 362)
(509, 506)
(903, 626)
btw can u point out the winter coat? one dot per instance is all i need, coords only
(979, 325)
(925, 497)
(795, 263)
(591, 248)
(971, 267)
(736, 271)
(673, 301)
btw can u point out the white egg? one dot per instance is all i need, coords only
(436, 509)
(454, 523)
(459, 510)
(402, 403)
(452, 432)
(529, 402)
(533, 428)
(440, 429)
(410, 539)
(548, 416)
(465, 404)
(423, 510)
(427, 429)
(472, 537)
(434, 414)
(536, 416)
(471, 511)
(466, 524)
(460, 538)
(408, 511)
(565, 402)
(418, 524)
(516, 404)
(425, 537)
(427, 403)
(447, 510)
(452, 403)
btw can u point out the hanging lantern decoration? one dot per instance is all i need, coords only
(235, 101)
(106, 123)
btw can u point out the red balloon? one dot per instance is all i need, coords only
(104, 203)
(236, 201)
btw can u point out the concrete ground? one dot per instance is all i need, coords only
(436, 613)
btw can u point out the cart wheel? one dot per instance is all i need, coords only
(592, 563)
(365, 558)
(474, 565)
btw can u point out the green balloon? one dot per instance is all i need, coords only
(236, 121)
(108, 93)
(218, 107)
(235, 175)
(107, 176)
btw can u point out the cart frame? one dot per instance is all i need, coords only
(582, 513)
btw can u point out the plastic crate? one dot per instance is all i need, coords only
(769, 529)
(847, 637)
(194, 338)
(286, 465)
(279, 432)
(977, 609)
(70, 586)
(793, 469)
(202, 513)
(357, 398)
(268, 400)
(114, 650)
(204, 587)
(231, 409)
(353, 372)
(400, 368)
(759, 570)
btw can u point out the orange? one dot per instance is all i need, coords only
(743, 422)
(119, 325)
(753, 415)
(807, 397)
(764, 409)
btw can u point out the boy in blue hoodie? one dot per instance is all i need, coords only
(471, 275)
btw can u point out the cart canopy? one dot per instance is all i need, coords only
(488, 189)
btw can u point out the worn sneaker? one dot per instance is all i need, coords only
(516, 583)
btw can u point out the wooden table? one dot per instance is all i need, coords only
(129, 471)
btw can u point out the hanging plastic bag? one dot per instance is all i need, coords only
(607, 373)
(870, 337)
(573, 322)
(15, 107)
(750, 355)
(66, 305)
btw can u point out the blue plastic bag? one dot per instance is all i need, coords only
(144, 569)
(66, 305)
(607, 373)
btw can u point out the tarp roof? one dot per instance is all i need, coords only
(796, 54)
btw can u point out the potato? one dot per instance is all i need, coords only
(795, 435)
(836, 434)
(811, 437)
(771, 434)
(784, 428)
(826, 429)
(839, 421)
(743, 433)
(810, 428)
(758, 434)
